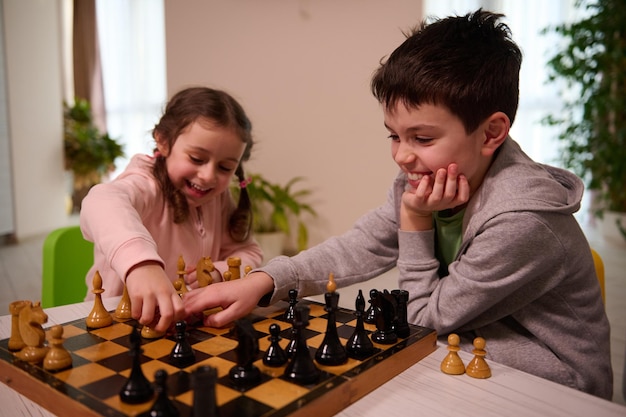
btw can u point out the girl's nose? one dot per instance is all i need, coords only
(206, 173)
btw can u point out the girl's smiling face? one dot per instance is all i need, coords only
(429, 137)
(203, 160)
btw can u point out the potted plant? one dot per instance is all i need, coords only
(592, 64)
(89, 154)
(276, 209)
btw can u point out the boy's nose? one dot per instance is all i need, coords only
(404, 154)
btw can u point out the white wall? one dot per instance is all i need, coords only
(33, 82)
(301, 69)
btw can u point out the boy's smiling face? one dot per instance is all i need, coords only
(430, 137)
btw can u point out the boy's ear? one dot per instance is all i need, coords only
(496, 129)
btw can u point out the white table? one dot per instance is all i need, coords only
(421, 390)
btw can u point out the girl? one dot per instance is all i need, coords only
(174, 203)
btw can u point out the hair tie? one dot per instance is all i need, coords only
(157, 154)
(244, 183)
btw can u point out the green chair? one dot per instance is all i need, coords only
(67, 257)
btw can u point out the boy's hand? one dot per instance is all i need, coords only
(153, 298)
(448, 190)
(237, 298)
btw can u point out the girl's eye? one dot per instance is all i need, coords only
(227, 168)
(196, 160)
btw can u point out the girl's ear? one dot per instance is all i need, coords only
(161, 144)
(496, 129)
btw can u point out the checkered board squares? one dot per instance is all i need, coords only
(102, 364)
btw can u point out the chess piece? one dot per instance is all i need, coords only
(30, 321)
(57, 358)
(182, 353)
(301, 368)
(247, 270)
(478, 367)
(452, 363)
(274, 355)
(99, 316)
(359, 345)
(148, 332)
(293, 300)
(137, 388)
(245, 373)
(234, 271)
(15, 341)
(372, 311)
(179, 283)
(163, 406)
(204, 267)
(401, 323)
(123, 311)
(385, 317)
(331, 352)
(203, 380)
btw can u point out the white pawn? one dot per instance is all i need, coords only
(452, 363)
(478, 367)
(58, 357)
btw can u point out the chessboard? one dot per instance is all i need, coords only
(101, 364)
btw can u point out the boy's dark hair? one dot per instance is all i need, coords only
(469, 64)
(216, 106)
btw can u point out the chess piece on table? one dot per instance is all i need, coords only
(452, 363)
(293, 300)
(123, 310)
(247, 270)
(99, 316)
(30, 324)
(163, 406)
(359, 345)
(137, 388)
(182, 353)
(401, 323)
(331, 352)
(148, 332)
(57, 358)
(15, 341)
(372, 311)
(275, 355)
(245, 374)
(301, 367)
(385, 318)
(478, 367)
(204, 268)
(179, 283)
(203, 380)
(234, 269)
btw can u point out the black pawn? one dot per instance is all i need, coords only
(370, 314)
(331, 352)
(137, 388)
(401, 325)
(245, 374)
(182, 353)
(301, 368)
(359, 345)
(163, 406)
(274, 355)
(203, 383)
(293, 300)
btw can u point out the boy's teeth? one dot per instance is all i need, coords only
(414, 177)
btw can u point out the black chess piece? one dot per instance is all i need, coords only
(245, 373)
(203, 381)
(301, 368)
(359, 345)
(293, 300)
(163, 406)
(331, 352)
(275, 355)
(137, 388)
(385, 333)
(401, 324)
(372, 311)
(182, 353)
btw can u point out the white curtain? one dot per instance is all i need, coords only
(132, 42)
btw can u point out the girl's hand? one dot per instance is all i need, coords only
(153, 298)
(448, 190)
(237, 298)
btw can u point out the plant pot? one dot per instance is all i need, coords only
(613, 227)
(272, 244)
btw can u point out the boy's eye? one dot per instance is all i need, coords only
(423, 140)
(393, 137)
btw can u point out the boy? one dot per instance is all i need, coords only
(484, 238)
